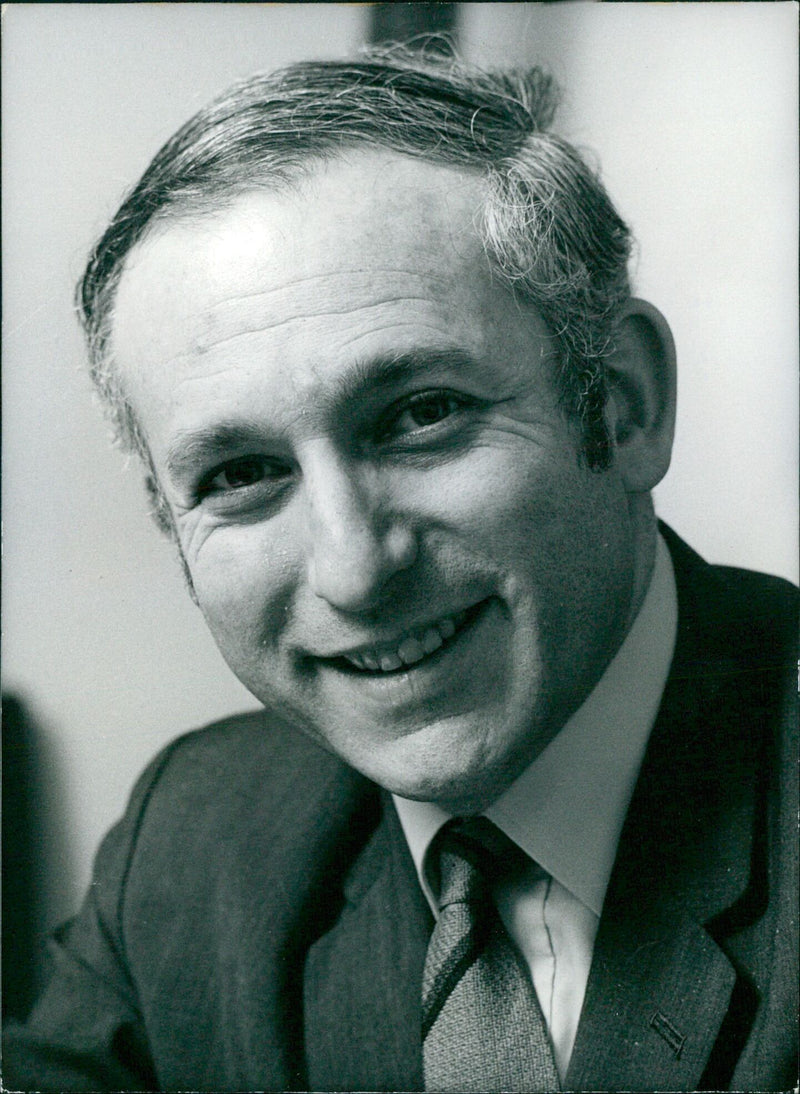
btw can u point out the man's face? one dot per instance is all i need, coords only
(382, 508)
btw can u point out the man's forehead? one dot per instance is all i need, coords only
(358, 229)
(438, 196)
(381, 198)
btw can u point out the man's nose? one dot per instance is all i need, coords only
(356, 543)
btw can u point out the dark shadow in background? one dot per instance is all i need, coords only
(406, 22)
(22, 858)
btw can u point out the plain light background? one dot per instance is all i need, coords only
(691, 111)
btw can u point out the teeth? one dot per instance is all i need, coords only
(432, 639)
(411, 649)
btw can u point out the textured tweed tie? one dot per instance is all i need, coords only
(482, 1026)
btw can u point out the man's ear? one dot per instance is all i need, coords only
(642, 392)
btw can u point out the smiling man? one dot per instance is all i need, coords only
(514, 815)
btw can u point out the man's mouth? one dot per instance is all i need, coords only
(414, 647)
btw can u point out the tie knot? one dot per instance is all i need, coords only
(467, 856)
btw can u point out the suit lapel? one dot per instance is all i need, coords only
(660, 986)
(654, 1007)
(363, 978)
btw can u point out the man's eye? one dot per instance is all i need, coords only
(236, 474)
(421, 411)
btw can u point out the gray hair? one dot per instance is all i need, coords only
(549, 229)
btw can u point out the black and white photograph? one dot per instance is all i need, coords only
(400, 546)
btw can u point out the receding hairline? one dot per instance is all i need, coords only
(300, 180)
(196, 214)
(457, 230)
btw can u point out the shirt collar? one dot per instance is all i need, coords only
(567, 809)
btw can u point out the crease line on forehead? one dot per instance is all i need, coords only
(426, 276)
(204, 344)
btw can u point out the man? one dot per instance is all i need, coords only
(370, 328)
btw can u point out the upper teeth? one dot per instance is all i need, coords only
(410, 650)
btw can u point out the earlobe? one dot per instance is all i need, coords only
(642, 390)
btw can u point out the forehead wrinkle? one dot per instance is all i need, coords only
(337, 274)
(203, 344)
(327, 295)
(418, 333)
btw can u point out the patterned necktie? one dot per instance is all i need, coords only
(482, 1026)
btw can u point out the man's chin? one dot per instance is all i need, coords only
(461, 787)
(462, 762)
(459, 797)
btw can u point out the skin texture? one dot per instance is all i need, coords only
(357, 433)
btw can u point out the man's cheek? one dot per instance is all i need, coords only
(242, 615)
(222, 594)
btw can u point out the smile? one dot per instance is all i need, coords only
(413, 648)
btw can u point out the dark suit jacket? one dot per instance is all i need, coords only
(255, 921)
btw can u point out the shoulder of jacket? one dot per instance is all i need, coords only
(252, 755)
(741, 615)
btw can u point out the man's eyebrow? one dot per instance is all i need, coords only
(198, 447)
(391, 370)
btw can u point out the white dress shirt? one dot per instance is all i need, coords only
(566, 812)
